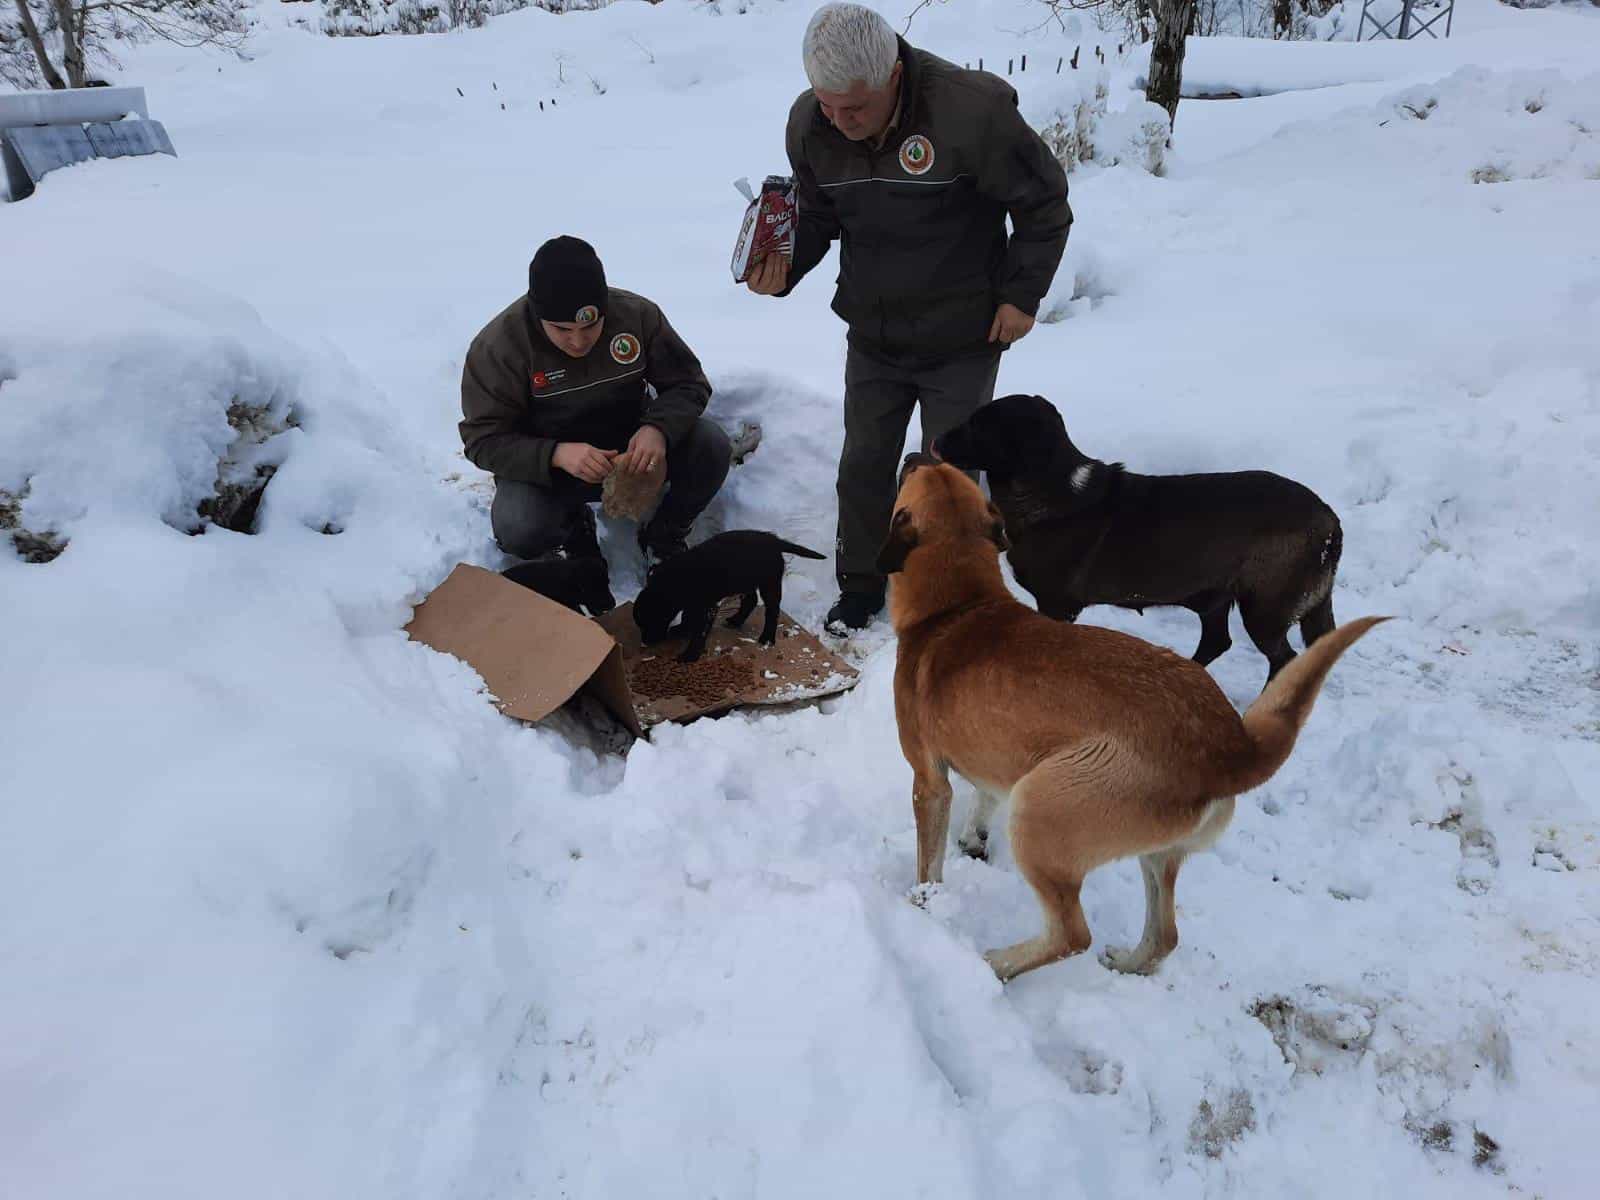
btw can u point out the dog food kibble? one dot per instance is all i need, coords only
(707, 682)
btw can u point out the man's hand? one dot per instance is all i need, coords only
(583, 461)
(645, 450)
(771, 277)
(1010, 324)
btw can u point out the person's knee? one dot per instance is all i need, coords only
(525, 522)
(868, 464)
(713, 442)
(707, 452)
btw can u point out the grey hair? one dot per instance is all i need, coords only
(846, 44)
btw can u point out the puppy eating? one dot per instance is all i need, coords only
(1107, 746)
(741, 562)
(1087, 532)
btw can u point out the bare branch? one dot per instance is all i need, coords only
(922, 4)
(30, 30)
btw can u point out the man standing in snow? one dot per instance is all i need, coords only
(554, 399)
(913, 164)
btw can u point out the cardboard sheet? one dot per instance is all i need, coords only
(734, 672)
(532, 652)
(535, 655)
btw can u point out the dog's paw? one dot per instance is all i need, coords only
(1003, 963)
(974, 845)
(922, 894)
(766, 640)
(689, 656)
(1130, 960)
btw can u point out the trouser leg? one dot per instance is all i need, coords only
(952, 392)
(530, 521)
(878, 399)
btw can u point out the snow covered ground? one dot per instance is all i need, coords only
(291, 911)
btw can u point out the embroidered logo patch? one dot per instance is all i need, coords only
(543, 379)
(916, 155)
(587, 315)
(625, 348)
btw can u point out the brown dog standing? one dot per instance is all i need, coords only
(1108, 746)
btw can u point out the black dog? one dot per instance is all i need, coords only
(1086, 532)
(741, 562)
(579, 583)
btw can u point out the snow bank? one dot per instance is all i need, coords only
(1508, 125)
(1072, 116)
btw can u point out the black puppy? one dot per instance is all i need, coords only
(579, 583)
(741, 562)
(1086, 532)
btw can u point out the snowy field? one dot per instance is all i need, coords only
(290, 911)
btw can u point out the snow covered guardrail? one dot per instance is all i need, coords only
(43, 131)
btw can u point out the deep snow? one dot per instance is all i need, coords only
(292, 911)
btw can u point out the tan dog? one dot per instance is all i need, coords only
(1108, 746)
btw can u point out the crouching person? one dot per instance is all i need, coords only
(576, 380)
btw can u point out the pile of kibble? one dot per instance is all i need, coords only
(709, 681)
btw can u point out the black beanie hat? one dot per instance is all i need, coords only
(565, 278)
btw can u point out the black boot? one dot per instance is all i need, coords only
(854, 610)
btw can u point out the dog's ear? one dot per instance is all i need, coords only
(997, 529)
(902, 539)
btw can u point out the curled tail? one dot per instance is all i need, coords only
(791, 548)
(1273, 722)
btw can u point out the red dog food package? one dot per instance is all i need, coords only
(768, 228)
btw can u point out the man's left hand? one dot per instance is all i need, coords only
(646, 450)
(1010, 324)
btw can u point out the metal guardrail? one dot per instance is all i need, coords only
(1406, 23)
(71, 106)
(43, 131)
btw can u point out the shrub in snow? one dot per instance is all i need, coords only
(1283, 20)
(1137, 135)
(31, 545)
(248, 465)
(1073, 119)
(369, 18)
(1529, 3)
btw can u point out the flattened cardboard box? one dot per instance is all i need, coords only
(535, 654)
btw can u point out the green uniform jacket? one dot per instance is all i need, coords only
(520, 395)
(924, 258)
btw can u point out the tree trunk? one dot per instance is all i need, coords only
(71, 42)
(1174, 19)
(1282, 20)
(30, 30)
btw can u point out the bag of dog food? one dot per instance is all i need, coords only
(632, 497)
(768, 228)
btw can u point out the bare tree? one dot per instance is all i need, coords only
(1166, 24)
(29, 30)
(1174, 23)
(53, 42)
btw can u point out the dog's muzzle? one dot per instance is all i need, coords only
(912, 462)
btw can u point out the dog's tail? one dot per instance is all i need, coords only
(791, 548)
(1274, 721)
